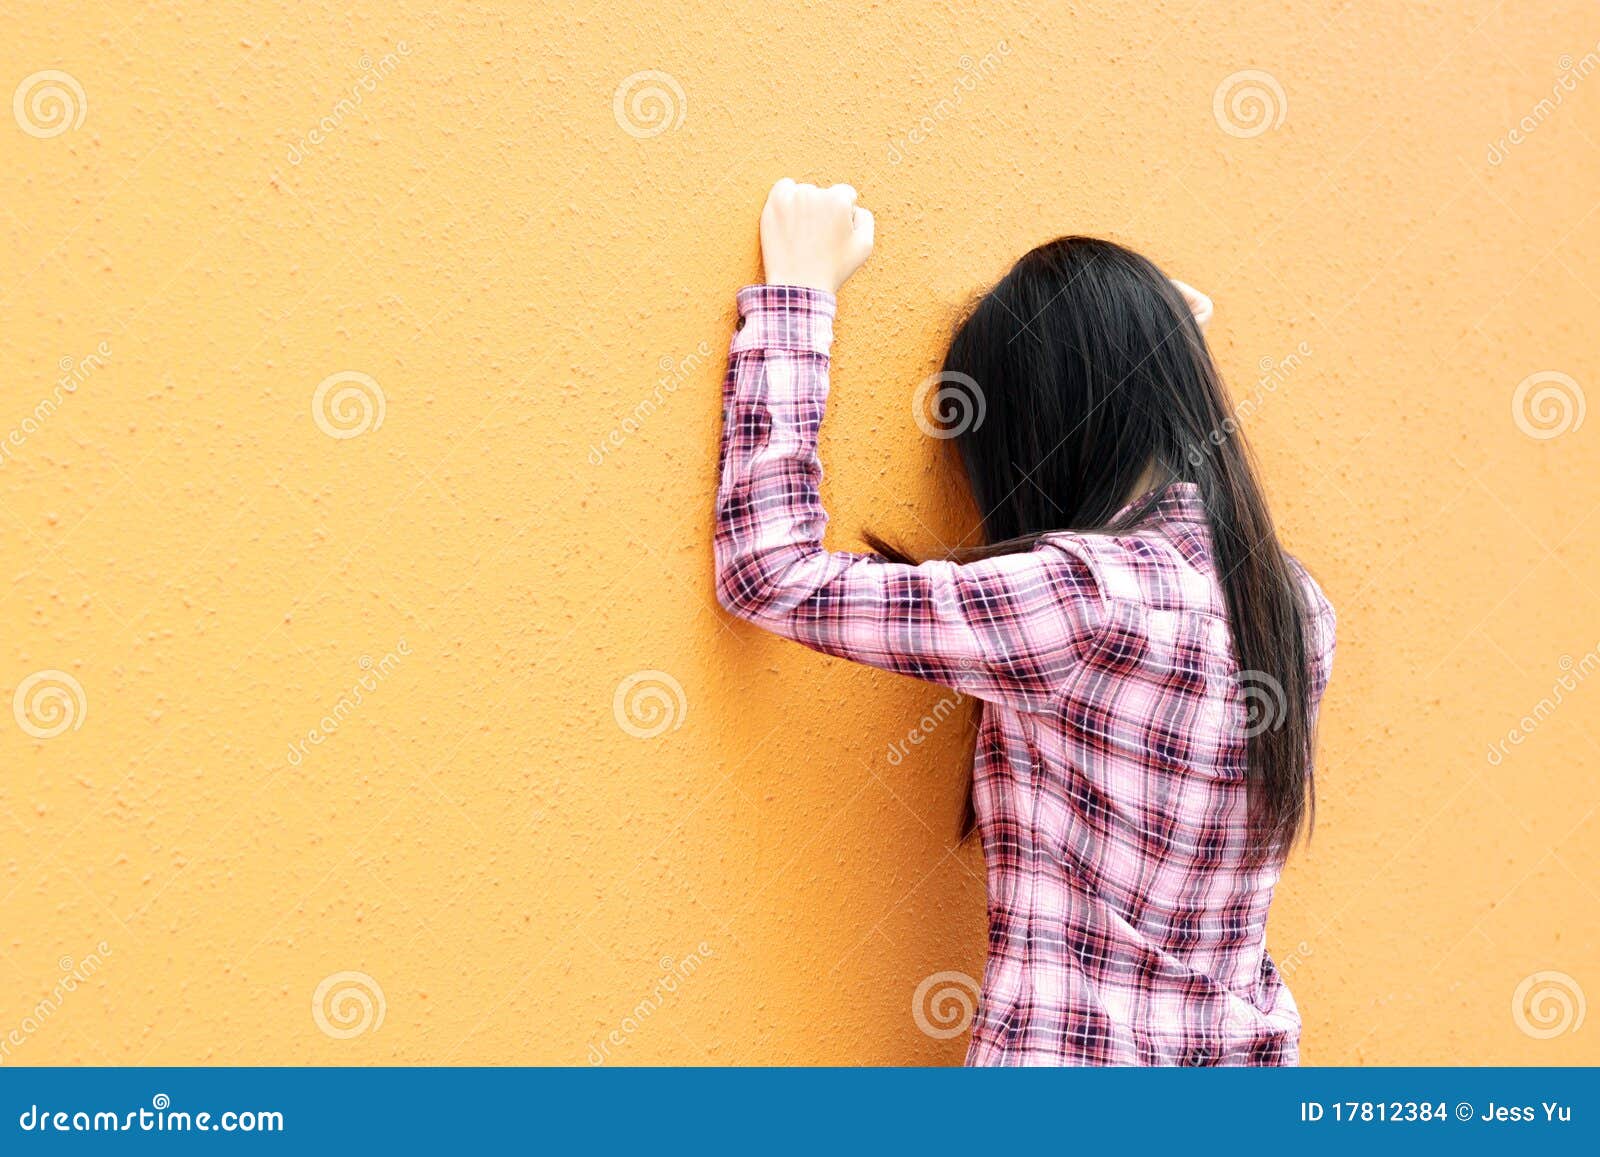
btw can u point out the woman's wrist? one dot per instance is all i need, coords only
(796, 317)
(794, 283)
(816, 284)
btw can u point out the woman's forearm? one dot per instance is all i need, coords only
(770, 519)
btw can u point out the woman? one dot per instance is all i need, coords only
(1149, 660)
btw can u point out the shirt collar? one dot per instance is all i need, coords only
(1173, 502)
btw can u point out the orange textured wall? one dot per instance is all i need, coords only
(361, 367)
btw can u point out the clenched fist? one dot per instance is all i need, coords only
(813, 237)
(1199, 304)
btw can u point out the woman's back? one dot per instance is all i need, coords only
(1127, 908)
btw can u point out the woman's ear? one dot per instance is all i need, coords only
(1199, 304)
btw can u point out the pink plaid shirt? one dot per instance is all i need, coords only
(1127, 922)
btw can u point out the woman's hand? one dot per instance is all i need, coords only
(1199, 304)
(813, 237)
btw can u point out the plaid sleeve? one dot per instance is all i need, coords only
(1004, 629)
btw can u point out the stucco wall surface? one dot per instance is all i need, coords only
(360, 365)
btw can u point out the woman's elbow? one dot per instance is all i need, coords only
(761, 585)
(731, 599)
(740, 590)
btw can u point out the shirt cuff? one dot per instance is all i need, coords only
(790, 317)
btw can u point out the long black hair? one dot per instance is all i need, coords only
(1093, 380)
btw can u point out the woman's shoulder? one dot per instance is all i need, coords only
(1145, 565)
